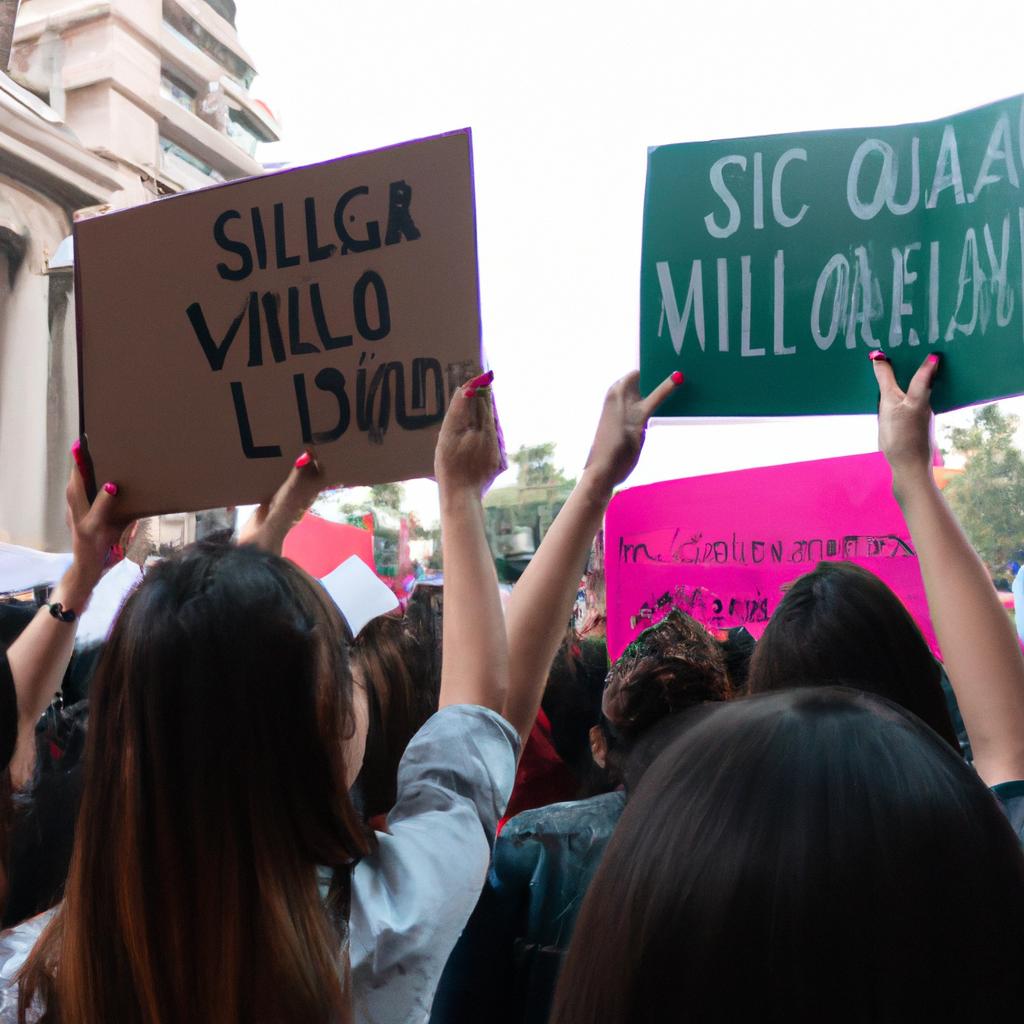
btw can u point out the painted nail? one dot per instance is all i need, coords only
(303, 460)
(878, 356)
(110, 488)
(470, 392)
(933, 359)
(482, 381)
(677, 377)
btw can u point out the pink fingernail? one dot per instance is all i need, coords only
(934, 358)
(110, 488)
(677, 377)
(878, 356)
(303, 460)
(482, 381)
(470, 392)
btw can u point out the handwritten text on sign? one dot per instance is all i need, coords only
(721, 547)
(772, 265)
(225, 330)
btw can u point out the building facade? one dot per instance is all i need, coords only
(107, 104)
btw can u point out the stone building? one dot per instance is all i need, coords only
(106, 104)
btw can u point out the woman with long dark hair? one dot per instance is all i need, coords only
(816, 855)
(220, 872)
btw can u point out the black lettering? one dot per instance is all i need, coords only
(280, 241)
(776, 550)
(348, 243)
(259, 237)
(250, 450)
(215, 354)
(314, 250)
(400, 222)
(295, 344)
(417, 421)
(240, 249)
(271, 306)
(329, 341)
(374, 428)
(383, 328)
(255, 331)
(757, 551)
(332, 381)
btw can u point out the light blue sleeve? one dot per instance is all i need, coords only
(412, 898)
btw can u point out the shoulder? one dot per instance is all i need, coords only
(15, 946)
(1011, 798)
(412, 897)
(598, 813)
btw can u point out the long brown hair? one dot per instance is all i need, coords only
(215, 792)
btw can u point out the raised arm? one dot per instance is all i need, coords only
(39, 657)
(474, 666)
(978, 641)
(270, 524)
(542, 600)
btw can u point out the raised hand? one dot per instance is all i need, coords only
(272, 521)
(469, 453)
(620, 431)
(905, 421)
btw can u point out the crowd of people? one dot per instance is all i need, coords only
(246, 814)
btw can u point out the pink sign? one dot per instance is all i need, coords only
(721, 547)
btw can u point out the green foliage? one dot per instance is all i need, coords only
(988, 498)
(536, 465)
(387, 496)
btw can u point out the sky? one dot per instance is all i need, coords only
(564, 98)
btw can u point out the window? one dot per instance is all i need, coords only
(175, 89)
(241, 131)
(173, 152)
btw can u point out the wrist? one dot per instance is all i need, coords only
(595, 487)
(75, 588)
(912, 480)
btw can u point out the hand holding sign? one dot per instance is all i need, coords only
(270, 523)
(469, 453)
(95, 528)
(622, 428)
(905, 419)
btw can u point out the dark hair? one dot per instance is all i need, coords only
(572, 702)
(670, 667)
(805, 856)
(216, 788)
(841, 625)
(393, 665)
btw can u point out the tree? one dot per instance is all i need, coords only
(989, 497)
(387, 496)
(536, 465)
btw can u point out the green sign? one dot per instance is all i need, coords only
(772, 266)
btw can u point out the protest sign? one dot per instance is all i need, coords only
(222, 331)
(320, 546)
(772, 266)
(720, 547)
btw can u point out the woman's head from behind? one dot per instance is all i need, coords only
(841, 625)
(216, 785)
(805, 856)
(670, 668)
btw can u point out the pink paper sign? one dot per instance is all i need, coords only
(721, 547)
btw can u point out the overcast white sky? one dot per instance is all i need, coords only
(564, 98)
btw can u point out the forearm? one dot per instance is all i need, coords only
(38, 660)
(543, 598)
(979, 645)
(474, 668)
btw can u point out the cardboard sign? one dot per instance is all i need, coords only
(772, 266)
(222, 331)
(720, 547)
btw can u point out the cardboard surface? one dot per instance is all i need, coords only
(720, 547)
(222, 331)
(772, 266)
